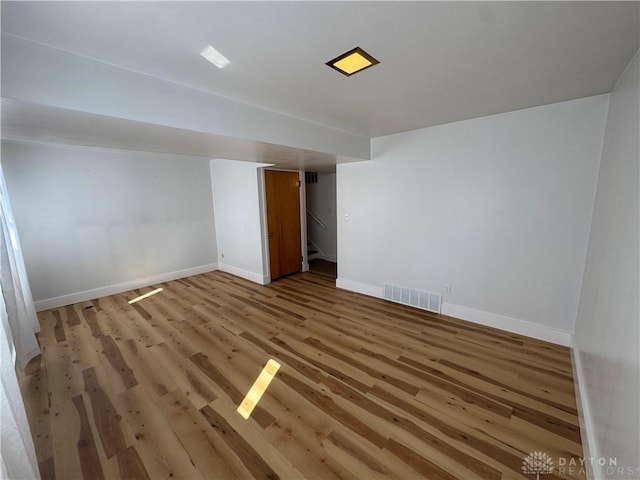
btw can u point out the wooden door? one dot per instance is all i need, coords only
(282, 191)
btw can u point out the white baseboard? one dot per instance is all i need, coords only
(587, 433)
(83, 296)
(522, 327)
(330, 258)
(246, 274)
(358, 287)
(514, 325)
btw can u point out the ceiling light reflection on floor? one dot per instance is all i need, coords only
(148, 294)
(258, 388)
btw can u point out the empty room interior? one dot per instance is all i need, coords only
(324, 240)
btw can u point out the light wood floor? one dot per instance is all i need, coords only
(367, 388)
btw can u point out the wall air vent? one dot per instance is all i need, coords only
(414, 298)
(311, 177)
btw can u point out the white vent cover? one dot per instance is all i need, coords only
(414, 298)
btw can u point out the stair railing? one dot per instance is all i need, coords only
(318, 221)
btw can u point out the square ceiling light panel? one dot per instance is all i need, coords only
(215, 57)
(353, 61)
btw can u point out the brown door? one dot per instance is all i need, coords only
(282, 192)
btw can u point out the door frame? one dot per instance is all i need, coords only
(264, 230)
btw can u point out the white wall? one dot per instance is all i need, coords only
(238, 213)
(321, 200)
(17, 455)
(95, 221)
(608, 326)
(499, 207)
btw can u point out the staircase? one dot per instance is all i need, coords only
(312, 251)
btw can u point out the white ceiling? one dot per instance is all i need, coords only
(440, 61)
(30, 122)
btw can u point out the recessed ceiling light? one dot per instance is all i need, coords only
(353, 61)
(215, 57)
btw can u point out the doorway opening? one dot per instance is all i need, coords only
(322, 237)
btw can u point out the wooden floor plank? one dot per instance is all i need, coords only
(249, 435)
(150, 433)
(208, 452)
(366, 388)
(184, 374)
(65, 428)
(37, 406)
(87, 451)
